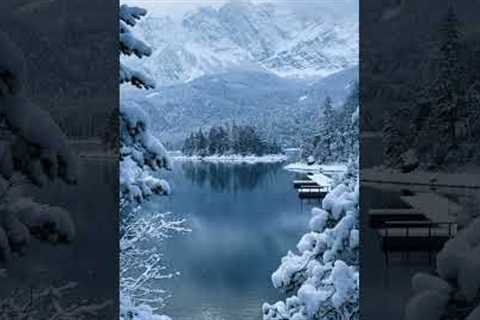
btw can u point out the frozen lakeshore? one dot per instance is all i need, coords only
(249, 159)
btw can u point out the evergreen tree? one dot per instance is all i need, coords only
(448, 88)
(472, 114)
(34, 151)
(242, 140)
(110, 132)
(201, 144)
(328, 113)
(140, 153)
(392, 143)
(213, 141)
(139, 148)
(323, 141)
(188, 146)
(337, 135)
(224, 142)
(307, 149)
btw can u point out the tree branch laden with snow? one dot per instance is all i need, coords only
(141, 155)
(455, 282)
(322, 279)
(49, 303)
(33, 151)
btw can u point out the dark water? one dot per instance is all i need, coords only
(387, 288)
(90, 259)
(244, 219)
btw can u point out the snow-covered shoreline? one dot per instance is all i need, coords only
(250, 159)
(419, 177)
(302, 167)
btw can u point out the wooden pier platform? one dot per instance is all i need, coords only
(316, 186)
(312, 192)
(409, 230)
(297, 184)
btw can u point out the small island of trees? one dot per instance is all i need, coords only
(229, 140)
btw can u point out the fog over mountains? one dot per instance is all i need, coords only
(282, 109)
(261, 64)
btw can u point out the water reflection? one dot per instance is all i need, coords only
(227, 177)
(244, 218)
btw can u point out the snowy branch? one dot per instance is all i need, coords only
(324, 276)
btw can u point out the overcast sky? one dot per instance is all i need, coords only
(177, 8)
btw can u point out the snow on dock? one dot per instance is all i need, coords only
(318, 180)
(303, 183)
(434, 206)
(316, 187)
(302, 167)
(321, 179)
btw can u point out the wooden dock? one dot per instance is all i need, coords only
(312, 192)
(409, 230)
(316, 186)
(297, 184)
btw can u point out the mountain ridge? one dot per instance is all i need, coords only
(278, 106)
(266, 37)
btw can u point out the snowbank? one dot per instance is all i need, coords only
(251, 159)
(456, 280)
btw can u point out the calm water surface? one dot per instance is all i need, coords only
(244, 218)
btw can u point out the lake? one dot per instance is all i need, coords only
(244, 219)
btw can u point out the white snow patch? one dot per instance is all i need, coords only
(249, 159)
(302, 167)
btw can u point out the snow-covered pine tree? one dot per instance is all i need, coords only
(448, 87)
(213, 141)
(140, 154)
(33, 151)
(140, 151)
(110, 132)
(201, 144)
(441, 104)
(188, 145)
(324, 139)
(322, 279)
(392, 143)
(351, 124)
(472, 114)
(224, 140)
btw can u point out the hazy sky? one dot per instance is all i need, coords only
(177, 8)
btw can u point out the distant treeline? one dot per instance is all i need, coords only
(229, 139)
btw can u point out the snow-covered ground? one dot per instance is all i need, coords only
(321, 179)
(250, 159)
(418, 177)
(302, 167)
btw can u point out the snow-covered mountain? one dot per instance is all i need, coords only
(282, 109)
(242, 35)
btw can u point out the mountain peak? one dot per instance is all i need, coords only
(270, 36)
